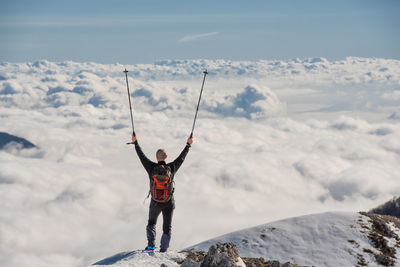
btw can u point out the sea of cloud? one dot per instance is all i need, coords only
(274, 139)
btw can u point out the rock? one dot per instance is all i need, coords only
(194, 256)
(190, 263)
(222, 255)
(255, 262)
(384, 260)
(226, 255)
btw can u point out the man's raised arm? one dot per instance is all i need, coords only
(145, 161)
(179, 160)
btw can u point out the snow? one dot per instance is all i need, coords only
(139, 259)
(393, 242)
(273, 140)
(327, 239)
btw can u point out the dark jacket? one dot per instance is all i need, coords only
(149, 165)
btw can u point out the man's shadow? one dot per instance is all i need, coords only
(117, 257)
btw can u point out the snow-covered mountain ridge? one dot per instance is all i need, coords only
(326, 239)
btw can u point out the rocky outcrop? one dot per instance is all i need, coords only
(222, 255)
(379, 234)
(219, 255)
(226, 255)
(260, 262)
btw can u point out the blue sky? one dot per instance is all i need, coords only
(133, 32)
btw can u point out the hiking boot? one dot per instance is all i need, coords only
(150, 248)
(163, 250)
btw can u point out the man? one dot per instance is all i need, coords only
(164, 205)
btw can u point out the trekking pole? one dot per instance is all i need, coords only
(198, 103)
(130, 105)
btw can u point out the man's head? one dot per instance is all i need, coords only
(161, 155)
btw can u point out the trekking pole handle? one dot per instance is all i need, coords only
(131, 143)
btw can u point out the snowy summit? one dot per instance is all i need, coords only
(326, 239)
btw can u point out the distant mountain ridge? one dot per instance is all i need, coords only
(6, 139)
(391, 208)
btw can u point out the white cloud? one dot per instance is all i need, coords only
(394, 95)
(84, 187)
(194, 37)
(252, 103)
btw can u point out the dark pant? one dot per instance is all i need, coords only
(167, 210)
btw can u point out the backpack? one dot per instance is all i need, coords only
(161, 183)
